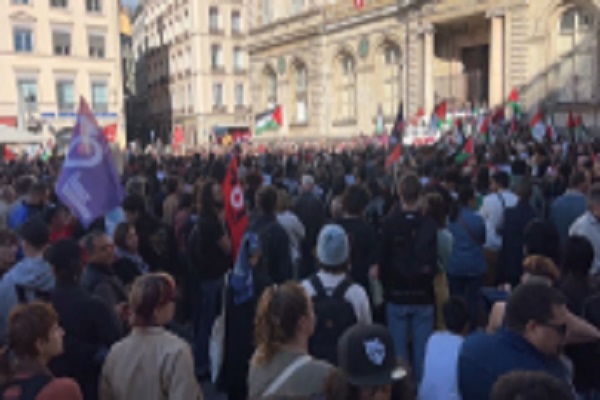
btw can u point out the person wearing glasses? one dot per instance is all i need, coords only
(532, 339)
(150, 363)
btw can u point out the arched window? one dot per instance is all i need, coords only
(270, 86)
(300, 92)
(390, 75)
(346, 89)
(577, 52)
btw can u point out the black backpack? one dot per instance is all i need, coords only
(334, 316)
(29, 387)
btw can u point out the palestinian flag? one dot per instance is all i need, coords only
(484, 128)
(467, 152)
(417, 117)
(498, 116)
(513, 101)
(269, 121)
(438, 119)
(537, 118)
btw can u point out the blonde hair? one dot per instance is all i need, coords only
(279, 310)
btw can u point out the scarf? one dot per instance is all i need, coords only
(241, 280)
(134, 258)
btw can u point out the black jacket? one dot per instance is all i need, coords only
(103, 283)
(276, 261)
(408, 258)
(90, 331)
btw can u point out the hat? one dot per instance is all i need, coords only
(333, 247)
(366, 356)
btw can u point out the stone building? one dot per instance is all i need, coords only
(336, 70)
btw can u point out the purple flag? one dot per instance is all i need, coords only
(89, 183)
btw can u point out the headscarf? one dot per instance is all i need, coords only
(241, 280)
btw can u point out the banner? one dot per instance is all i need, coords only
(89, 184)
(235, 208)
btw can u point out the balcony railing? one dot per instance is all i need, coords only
(66, 107)
(100, 108)
(465, 87)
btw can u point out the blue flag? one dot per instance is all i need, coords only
(89, 183)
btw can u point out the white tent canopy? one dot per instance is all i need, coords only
(10, 135)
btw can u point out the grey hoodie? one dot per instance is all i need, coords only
(34, 275)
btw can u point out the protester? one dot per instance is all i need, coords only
(128, 263)
(8, 250)
(32, 205)
(311, 212)
(587, 225)
(150, 363)
(569, 206)
(89, 325)
(408, 267)
(467, 265)
(171, 202)
(99, 278)
(31, 278)
(368, 369)
(34, 338)
(525, 385)
(532, 340)
(440, 377)
(211, 256)
(338, 303)
(294, 228)
(281, 365)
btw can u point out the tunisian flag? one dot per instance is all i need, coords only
(235, 208)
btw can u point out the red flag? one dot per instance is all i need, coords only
(485, 126)
(579, 121)
(110, 132)
(536, 119)
(358, 4)
(513, 97)
(394, 156)
(235, 208)
(441, 110)
(498, 115)
(278, 115)
(571, 121)
(469, 146)
(8, 155)
(178, 135)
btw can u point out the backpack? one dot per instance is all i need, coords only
(334, 316)
(29, 387)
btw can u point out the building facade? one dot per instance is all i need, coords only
(337, 70)
(197, 67)
(54, 51)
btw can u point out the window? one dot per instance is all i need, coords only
(239, 94)
(191, 97)
(100, 97)
(271, 87)
(22, 2)
(267, 11)
(216, 56)
(61, 42)
(301, 95)
(346, 88)
(297, 6)
(65, 96)
(213, 21)
(96, 46)
(236, 22)
(93, 6)
(576, 76)
(390, 78)
(217, 95)
(23, 38)
(59, 3)
(28, 93)
(238, 60)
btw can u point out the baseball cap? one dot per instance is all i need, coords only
(366, 356)
(333, 247)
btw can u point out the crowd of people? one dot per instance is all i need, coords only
(427, 278)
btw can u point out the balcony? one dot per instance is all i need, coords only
(219, 108)
(100, 108)
(218, 69)
(240, 70)
(64, 108)
(215, 30)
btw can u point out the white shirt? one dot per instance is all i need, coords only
(440, 374)
(492, 211)
(588, 227)
(355, 295)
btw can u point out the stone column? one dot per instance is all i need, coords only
(428, 58)
(496, 67)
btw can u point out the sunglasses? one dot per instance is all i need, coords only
(559, 329)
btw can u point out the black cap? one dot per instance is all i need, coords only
(367, 358)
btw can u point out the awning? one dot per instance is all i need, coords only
(10, 135)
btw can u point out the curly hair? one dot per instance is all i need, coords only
(279, 310)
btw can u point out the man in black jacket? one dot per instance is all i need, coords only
(311, 212)
(408, 265)
(90, 328)
(276, 257)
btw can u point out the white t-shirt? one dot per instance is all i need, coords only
(440, 373)
(492, 210)
(355, 295)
